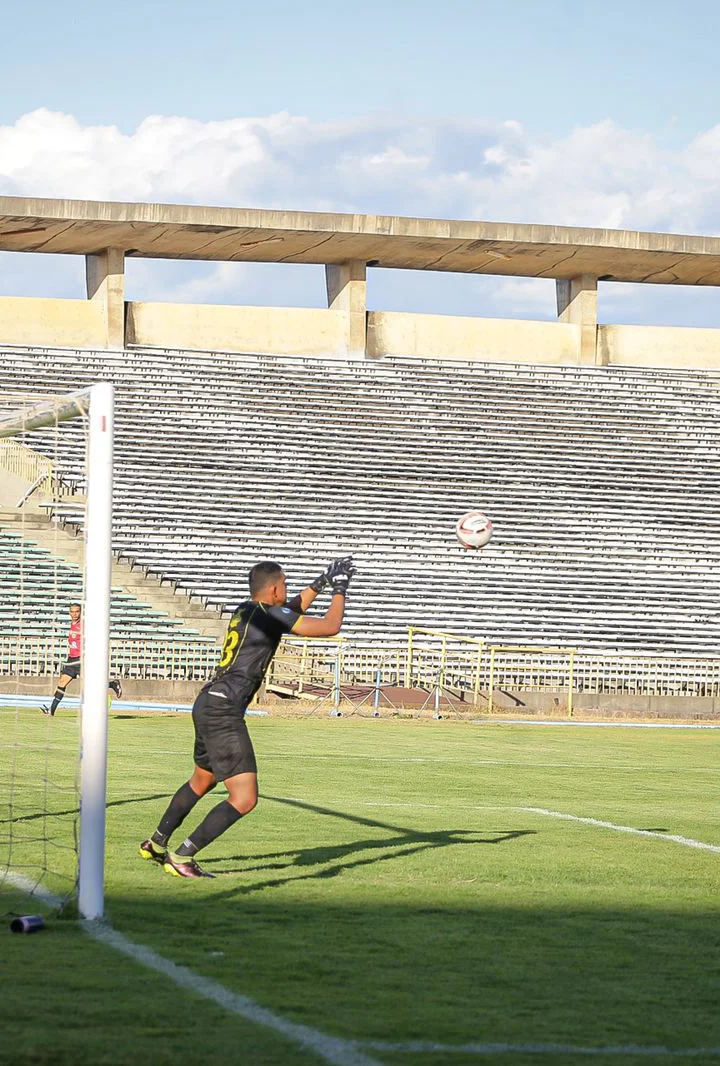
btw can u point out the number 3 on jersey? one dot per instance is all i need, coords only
(228, 651)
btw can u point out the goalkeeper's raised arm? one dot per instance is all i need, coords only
(338, 576)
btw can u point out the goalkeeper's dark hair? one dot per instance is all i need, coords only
(261, 575)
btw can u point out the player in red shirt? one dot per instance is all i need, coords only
(71, 668)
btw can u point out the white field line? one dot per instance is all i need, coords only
(575, 723)
(418, 1046)
(351, 1052)
(31, 888)
(330, 1049)
(673, 838)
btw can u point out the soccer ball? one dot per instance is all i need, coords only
(474, 530)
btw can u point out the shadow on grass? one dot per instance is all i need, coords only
(76, 810)
(470, 942)
(330, 860)
(395, 848)
(329, 853)
(435, 968)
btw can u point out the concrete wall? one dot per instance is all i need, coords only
(529, 705)
(450, 337)
(604, 705)
(658, 346)
(319, 332)
(273, 330)
(182, 692)
(54, 323)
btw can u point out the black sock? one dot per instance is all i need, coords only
(59, 693)
(215, 822)
(180, 806)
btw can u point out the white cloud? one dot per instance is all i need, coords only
(598, 175)
(525, 295)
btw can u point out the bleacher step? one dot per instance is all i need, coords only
(39, 529)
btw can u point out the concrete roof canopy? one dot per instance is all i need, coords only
(168, 231)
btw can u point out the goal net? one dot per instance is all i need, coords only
(55, 557)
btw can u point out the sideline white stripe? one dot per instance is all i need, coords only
(31, 888)
(329, 1048)
(418, 1046)
(594, 725)
(674, 838)
(332, 1049)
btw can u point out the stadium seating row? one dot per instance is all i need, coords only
(601, 483)
(37, 588)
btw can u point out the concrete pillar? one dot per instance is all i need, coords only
(577, 304)
(347, 291)
(105, 281)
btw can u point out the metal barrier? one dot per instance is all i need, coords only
(531, 669)
(437, 666)
(443, 661)
(40, 474)
(646, 675)
(447, 667)
(303, 667)
(176, 660)
(28, 465)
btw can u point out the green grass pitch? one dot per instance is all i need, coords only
(388, 888)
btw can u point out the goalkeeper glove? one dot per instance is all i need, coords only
(324, 579)
(340, 574)
(320, 582)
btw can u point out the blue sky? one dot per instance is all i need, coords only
(647, 64)
(558, 112)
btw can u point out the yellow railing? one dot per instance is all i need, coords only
(28, 465)
(449, 664)
(443, 660)
(302, 666)
(533, 669)
(441, 664)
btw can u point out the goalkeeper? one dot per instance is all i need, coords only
(223, 749)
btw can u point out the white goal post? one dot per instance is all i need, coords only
(95, 404)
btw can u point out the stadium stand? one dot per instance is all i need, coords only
(36, 590)
(601, 483)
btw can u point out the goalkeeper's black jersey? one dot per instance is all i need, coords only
(253, 635)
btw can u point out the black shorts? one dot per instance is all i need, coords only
(222, 741)
(71, 668)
